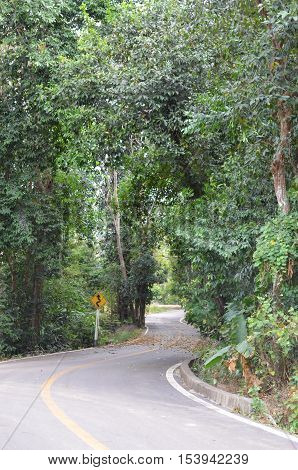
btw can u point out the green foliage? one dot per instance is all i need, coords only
(273, 332)
(185, 102)
(277, 248)
(292, 404)
(202, 313)
(273, 327)
(235, 322)
(217, 357)
(259, 409)
(234, 331)
(164, 290)
(68, 317)
(10, 335)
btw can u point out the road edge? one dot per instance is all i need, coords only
(230, 401)
(172, 381)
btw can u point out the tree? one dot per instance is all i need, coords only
(33, 216)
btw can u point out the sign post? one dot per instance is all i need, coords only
(96, 331)
(98, 301)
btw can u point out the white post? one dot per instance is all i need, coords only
(96, 327)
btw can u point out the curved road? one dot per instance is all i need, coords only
(116, 398)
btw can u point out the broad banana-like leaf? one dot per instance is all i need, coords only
(217, 357)
(241, 329)
(237, 325)
(244, 348)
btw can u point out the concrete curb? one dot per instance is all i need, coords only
(228, 400)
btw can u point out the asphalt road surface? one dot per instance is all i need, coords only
(116, 398)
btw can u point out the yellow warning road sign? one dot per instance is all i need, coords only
(98, 300)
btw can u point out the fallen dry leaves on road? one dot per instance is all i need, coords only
(182, 342)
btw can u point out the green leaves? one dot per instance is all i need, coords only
(181, 99)
(236, 324)
(217, 357)
(276, 246)
(236, 336)
(244, 348)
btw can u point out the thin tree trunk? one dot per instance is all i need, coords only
(278, 164)
(284, 115)
(132, 312)
(141, 322)
(119, 308)
(137, 311)
(116, 219)
(220, 302)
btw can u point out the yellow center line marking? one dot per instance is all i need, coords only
(59, 413)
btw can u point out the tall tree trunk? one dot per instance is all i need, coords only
(116, 220)
(284, 115)
(132, 312)
(141, 322)
(278, 164)
(220, 302)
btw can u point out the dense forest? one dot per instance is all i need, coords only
(147, 150)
